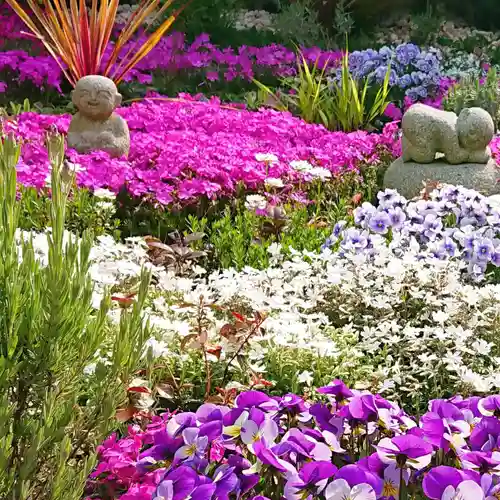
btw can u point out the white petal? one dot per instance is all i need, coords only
(363, 492)
(337, 489)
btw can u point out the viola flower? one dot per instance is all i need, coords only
(268, 458)
(408, 450)
(312, 478)
(340, 490)
(252, 432)
(486, 435)
(482, 462)
(194, 447)
(256, 399)
(234, 430)
(379, 223)
(225, 481)
(489, 406)
(444, 480)
(177, 484)
(336, 388)
(444, 426)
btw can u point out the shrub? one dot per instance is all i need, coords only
(298, 22)
(474, 91)
(53, 411)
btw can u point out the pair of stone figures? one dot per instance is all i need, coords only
(462, 140)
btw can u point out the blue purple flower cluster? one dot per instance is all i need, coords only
(454, 222)
(355, 446)
(416, 72)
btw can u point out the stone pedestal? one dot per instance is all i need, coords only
(408, 177)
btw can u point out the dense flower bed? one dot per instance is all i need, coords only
(357, 446)
(406, 323)
(453, 223)
(181, 150)
(171, 56)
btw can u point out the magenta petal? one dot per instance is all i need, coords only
(438, 479)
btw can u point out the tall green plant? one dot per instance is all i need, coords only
(349, 105)
(343, 103)
(53, 414)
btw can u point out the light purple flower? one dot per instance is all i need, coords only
(380, 222)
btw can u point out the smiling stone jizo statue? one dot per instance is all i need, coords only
(96, 126)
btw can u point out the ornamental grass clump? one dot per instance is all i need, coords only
(53, 410)
(78, 38)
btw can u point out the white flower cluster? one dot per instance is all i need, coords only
(421, 328)
(258, 19)
(457, 64)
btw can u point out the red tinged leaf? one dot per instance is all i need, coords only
(215, 350)
(143, 390)
(124, 301)
(239, 316)
(356, 199)
(228, 331)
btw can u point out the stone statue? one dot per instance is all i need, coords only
(95, 126)
(462, 139)
(439, 147)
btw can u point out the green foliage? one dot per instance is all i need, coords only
(52, 414)
(83, 211)
(212, 16)
(244, 239)
(350, 109)
(342, 103)
(425, 26)
(470, 92)
(16, 108)
(343, 22)
(298, 22)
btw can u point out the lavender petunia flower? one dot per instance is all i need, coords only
(379, 223)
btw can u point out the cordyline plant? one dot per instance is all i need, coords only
(52, 411)
(77, 38)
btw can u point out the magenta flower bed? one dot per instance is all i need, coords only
(181, 150)
(359, 446)
(171, 56)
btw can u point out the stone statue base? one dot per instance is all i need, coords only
(408, 178)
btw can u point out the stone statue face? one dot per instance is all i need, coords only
(96, 97)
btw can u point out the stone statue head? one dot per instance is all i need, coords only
(96, 97)
(475, 128)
